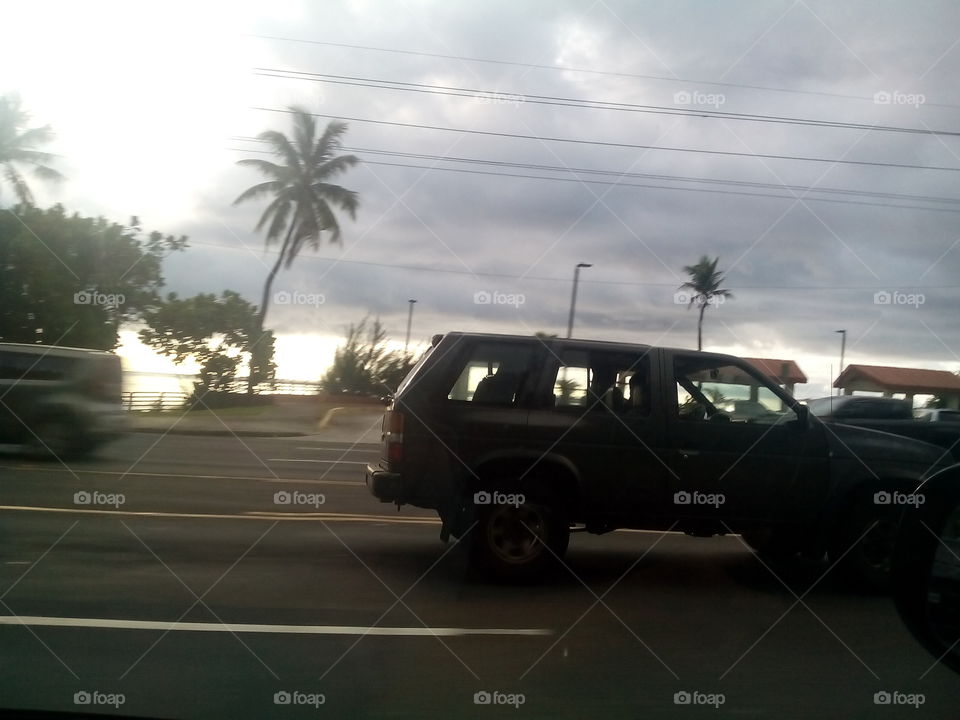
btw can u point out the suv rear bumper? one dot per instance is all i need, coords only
(384, 485)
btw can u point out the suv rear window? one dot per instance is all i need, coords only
(492, 374)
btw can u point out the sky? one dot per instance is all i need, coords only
(812, 146)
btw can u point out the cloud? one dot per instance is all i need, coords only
(800, 268)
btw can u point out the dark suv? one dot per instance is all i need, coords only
(516, 439)
(59, 401)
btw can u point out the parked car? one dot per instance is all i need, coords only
(889, 415)
(516, 439)
(60, 401)
(937, 415)
(861, 407)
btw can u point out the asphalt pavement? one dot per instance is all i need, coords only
(221, 577)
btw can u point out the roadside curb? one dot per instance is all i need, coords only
(221, 433)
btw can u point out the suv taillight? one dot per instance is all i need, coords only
(393, 436)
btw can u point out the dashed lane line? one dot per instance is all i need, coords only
(114, 624)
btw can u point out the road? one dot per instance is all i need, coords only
(184, 589)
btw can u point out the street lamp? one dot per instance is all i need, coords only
(843, 348)
(406, 343)
(573, 297)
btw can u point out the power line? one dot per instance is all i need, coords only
(649, 176)
(564, 280)
(644, 185)
(633, 146)
(584, 104)
(589, 71)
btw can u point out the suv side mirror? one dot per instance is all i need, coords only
(925, 570)
(803, 416)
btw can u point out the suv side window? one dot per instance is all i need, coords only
(709, 389)
(598, 380)
(31, 366)
(492, 374)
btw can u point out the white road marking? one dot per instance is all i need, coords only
(252, 515)
(110, 623)
(329, 462)
(146, 474)
(344, 449)
(315, 482)
(191, 477)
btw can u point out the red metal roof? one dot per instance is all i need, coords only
(897, 379)
(780, 370)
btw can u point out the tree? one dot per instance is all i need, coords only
(302, 195)
(215, 332)
(704, 284)
(363, 364)
(18, 145)
(72, 280)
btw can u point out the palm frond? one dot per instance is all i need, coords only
(277, 213)
(328, 143)
(47, 173)
(20, 188)
(280, 145)
(35, 136)
(334, 166)
(346, 200)
(304, 130)
(270, 186)
(264, 166)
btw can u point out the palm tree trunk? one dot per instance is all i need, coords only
(703, 306)
(265, 300)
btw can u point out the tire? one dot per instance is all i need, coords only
(56, 437)
(873, 528)
(771, 544)
(519, 542)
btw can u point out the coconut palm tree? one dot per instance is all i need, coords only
(18, 147)
(704, 287)
(302, 196)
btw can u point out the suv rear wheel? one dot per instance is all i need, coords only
(514, 542)
(56, 437)
(775, 545)
(873, 528)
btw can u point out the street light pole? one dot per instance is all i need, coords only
(573, 297)
(406, 343)
(843, 348)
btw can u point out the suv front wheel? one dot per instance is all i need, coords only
(517, 541)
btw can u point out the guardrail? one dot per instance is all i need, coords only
(147, 401)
